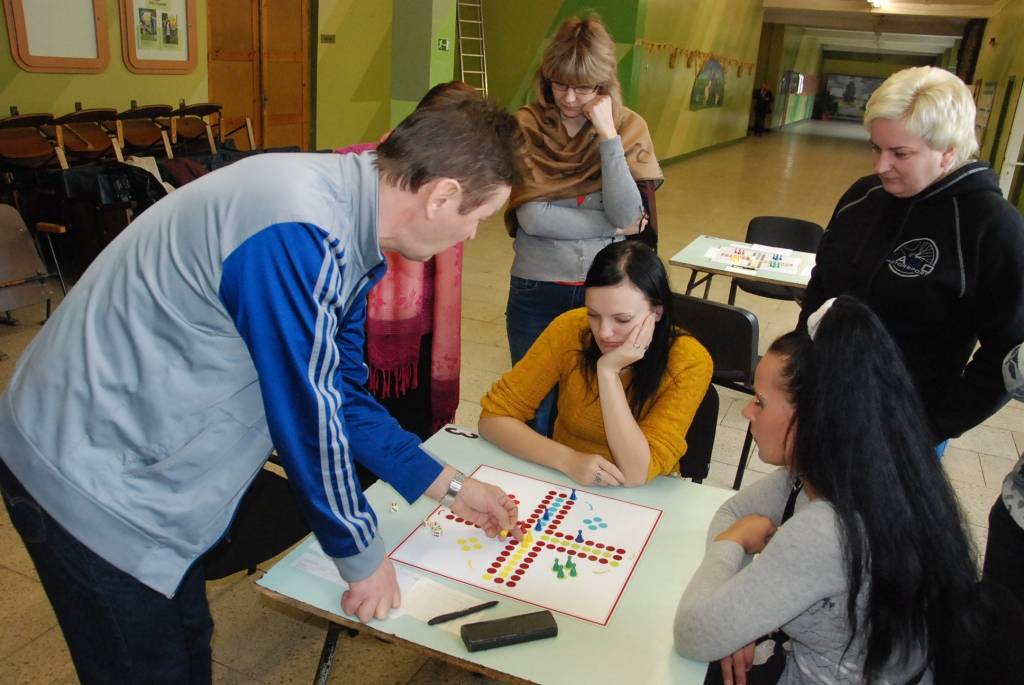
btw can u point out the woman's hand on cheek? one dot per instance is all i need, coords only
(599, 111)
(632, 349)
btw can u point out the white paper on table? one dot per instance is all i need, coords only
(712, 253)
(785, 251)
(316, 562)
(429, 599)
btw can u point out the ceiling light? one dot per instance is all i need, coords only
(876, 4)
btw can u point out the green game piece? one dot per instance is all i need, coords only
(572, 572)
(557, 566)
(561, 574)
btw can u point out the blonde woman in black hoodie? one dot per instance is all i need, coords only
(929, 243)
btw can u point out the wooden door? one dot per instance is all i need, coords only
(259, 68)
(233, 59)
(285, 67)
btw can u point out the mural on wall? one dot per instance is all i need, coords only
(709, 86)
(847, 95)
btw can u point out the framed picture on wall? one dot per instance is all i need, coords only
(159, 36)
(62, 36)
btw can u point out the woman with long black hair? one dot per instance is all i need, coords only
(629, 382)
(863, 561)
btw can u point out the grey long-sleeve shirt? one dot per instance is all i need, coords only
(797, 583)
(557, 239)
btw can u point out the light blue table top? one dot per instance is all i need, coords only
(694, 257)
(636, 645)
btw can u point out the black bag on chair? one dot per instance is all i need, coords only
(268, 521)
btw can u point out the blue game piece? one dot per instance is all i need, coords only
(579, 535)
(538, 526)
(547, 514)
(573, 495)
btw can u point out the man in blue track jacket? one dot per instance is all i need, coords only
(227, 319)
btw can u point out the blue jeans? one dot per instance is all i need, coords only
(532, 305)
(117, 629)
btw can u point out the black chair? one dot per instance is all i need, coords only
(700, 439)
(778, 231)
(730, 335)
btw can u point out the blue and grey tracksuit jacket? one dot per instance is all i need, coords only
(229, 317)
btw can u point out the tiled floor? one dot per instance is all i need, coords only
(800, 172)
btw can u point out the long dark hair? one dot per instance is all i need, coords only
(634, 261)
(862, 442)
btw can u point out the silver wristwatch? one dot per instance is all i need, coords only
(454, 488)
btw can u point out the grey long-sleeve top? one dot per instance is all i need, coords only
(797, 583)
(557, 239)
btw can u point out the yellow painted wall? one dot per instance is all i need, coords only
(730, 28)
(353, 76)
(802, 54)
(115, 87)
(998, 63)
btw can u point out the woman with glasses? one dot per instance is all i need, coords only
(585, 153)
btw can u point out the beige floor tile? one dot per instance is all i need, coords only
(486, 333)
(26, 611)
(733, 417)
(1018, 442)
(43, 660)
(468, 414)
(485, 357)
(978, 537)
(728, 443)
(995, 470)
(13, 554)
(988, 441)
(963, 465)
(1010, 417)
(975, 501)
(437, 672)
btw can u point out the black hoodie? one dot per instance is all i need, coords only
(943, 270)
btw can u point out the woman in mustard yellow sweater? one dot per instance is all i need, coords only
(629, 382)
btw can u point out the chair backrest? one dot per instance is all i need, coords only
(781, 231)
(729, 333)
(700, 438)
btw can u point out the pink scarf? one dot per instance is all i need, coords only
(412, 300)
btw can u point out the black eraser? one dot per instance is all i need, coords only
(510, 630)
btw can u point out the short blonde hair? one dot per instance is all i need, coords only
(934, 104)
(580, 54)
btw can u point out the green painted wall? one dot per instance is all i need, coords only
(517, 33)
(802, 54)
(115, 87)
(416, 28)
(353, 75)
(852, 67)
(998, 63)
(730, 29)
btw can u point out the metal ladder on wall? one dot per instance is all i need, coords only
(472, 55)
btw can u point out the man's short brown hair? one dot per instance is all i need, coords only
(474, 141)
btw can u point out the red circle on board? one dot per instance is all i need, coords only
(551, 492)
(550, 546)
(510, 583)
(599, 545)
(562, 494)
(450, 517)
(515, 576)
(622, 551)
(560, 517)
(561, 549)
(515, 501)
(592, 557)
(511, 496)
(503, 554)
(617, 557)
(572, 552)
(499, 581)
(460, 520)
(532, 555)
(603, 561)
(588, 542)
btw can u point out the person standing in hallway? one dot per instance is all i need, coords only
(585, 154)
(228, 319)
(763, 100)
(931, 246)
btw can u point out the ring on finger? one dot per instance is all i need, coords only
(597, 478)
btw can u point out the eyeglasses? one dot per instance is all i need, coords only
(578, 90)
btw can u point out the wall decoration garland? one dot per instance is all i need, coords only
(696, 59)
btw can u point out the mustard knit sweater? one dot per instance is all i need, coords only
(555, 358)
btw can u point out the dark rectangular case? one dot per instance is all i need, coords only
(509, 630)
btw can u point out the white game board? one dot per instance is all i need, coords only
(613, 535)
